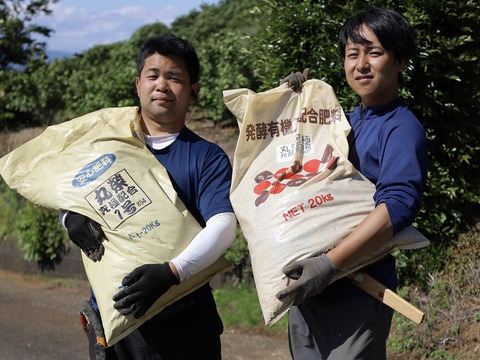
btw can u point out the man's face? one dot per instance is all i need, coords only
(372, 71)
(165, 92)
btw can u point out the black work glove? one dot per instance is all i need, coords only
(86, 234)
(143, 286)
(312, 275)
(295, 81)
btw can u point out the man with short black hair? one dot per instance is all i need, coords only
(388, 146)
(200, 172)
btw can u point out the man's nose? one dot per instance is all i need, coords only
(362, 62)
(162, 84)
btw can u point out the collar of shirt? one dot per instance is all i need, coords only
(160, 141)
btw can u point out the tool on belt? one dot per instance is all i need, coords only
(89, 317)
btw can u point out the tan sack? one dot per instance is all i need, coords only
(98, 165)
(294, 191)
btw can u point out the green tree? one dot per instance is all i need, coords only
(101, 77)
(10, 203)
(143, 33)
(17, 44)
(225, 65)
(442, 88)
(40, 236)
(300, 34)
(35, 95)
(19, 48)
(221, 35)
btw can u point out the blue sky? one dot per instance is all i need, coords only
(81, 24)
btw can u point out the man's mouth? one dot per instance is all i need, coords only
(162, 99)
(363, 77)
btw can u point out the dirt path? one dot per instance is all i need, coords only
(39, 320)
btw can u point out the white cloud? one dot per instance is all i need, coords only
(78, 28)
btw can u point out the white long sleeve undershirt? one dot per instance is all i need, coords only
(209, 244)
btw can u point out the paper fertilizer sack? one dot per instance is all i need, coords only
(294, 192)
(98, 165)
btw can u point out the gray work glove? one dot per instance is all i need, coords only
(143, 286)
(86, 234)
(295, 81)
(312, 275)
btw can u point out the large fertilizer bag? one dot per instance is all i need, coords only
(294, 191)
(98, 165)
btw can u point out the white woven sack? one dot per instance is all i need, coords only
(98, 165)
(294, 191)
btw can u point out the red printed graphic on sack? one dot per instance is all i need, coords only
(269, 183)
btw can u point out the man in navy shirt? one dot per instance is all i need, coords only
(388, 146)
(167, 82)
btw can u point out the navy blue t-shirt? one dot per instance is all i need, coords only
(200, 172)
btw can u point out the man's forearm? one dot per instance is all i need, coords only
(373, 232)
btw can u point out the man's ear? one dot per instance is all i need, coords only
(401, 64)
(195, 90)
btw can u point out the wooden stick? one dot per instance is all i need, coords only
(387, 296)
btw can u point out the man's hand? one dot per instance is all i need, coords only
(312, 275)
(295, 81)
(86, 234)
(143, 286)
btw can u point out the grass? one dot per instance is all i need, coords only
(451, 303)
(239, 307)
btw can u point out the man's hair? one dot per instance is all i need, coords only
(170, 45)
(391, 28)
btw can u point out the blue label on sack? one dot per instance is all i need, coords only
(93, 170)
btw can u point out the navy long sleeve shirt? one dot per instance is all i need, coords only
(388, 146)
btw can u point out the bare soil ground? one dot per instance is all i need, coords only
(39, 318)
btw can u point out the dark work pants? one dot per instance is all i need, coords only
(193, 333)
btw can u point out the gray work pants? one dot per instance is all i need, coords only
(342, 329)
